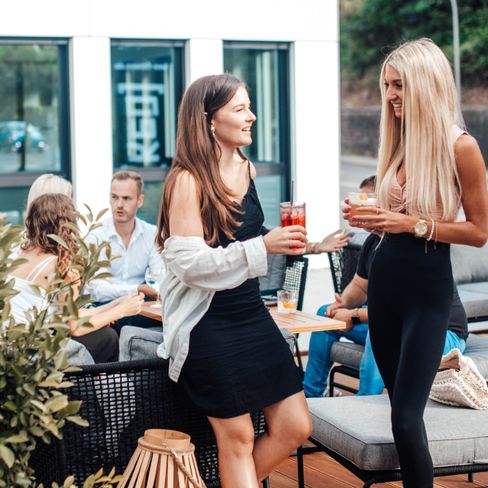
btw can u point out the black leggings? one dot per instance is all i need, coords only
(409, 301)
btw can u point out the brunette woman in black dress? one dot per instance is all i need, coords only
(225, 349)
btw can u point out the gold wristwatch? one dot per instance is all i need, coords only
(421, 228)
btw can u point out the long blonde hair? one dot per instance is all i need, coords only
(48, 183)
(422, 139)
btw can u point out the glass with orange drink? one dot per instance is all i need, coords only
(287, 301)
(368, 201)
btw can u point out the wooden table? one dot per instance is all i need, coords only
(152, 310)
(295, 322)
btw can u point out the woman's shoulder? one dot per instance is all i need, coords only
(465, 142)
(252, 170)
(185, 185)
(184, 178)
(469, 159)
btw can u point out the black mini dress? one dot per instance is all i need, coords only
(238, 361)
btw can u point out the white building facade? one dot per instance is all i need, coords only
(94, 86)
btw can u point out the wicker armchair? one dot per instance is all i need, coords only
(287, 273)
(345, 355)
(121, 401)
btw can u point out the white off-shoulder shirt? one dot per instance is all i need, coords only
(194, 272)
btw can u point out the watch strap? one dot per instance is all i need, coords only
(355, 319)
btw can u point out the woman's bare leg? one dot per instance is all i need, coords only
(289, 426)
(235, 442)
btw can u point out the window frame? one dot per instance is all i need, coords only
(22, 179)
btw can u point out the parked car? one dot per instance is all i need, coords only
(12, 136)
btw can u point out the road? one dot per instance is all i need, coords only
(353, 170)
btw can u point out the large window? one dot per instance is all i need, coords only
(147, 84)
(264, 68)
(146, 89)
(34, 122)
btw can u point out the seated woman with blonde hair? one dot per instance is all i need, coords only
(48, 183)
(49, 214)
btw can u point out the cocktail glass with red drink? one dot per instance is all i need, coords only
(293, 214)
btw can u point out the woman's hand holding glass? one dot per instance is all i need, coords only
(290, 240)
(152, 279)
(130, 304)
(381, 220)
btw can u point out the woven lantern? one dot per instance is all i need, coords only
(163, 459)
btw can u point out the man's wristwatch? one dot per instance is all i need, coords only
(421, 228)
(355, 319)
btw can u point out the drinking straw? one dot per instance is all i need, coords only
(292, 193)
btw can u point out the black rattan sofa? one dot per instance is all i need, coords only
(120, 401)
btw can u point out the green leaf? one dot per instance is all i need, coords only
(58, 240)
(17, 439)
(69, 482)
(89, 482)
(7, 455)
(76, 419)
(29, 388)
(39, 405)
(57, 403)
(72, 407)
(89, 215)
(36, 431)
(101, 214)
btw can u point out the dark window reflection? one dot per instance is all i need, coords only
(265, 71)
(146, 88)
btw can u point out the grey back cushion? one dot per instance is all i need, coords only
(469, 264)
(276, 273)
(139, 343)
(77, 353)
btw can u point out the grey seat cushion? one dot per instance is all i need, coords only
(276, 273)
(475, 299)
(350, 354)
(77, 353)
(477, 350)
(469, 264)
(139, 343)
(347, 353)
(359, 429)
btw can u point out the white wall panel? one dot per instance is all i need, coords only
(91, 121)
(315, 82)
(311, 27)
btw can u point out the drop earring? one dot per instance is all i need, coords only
(212, 130)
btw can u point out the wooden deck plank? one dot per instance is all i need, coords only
(323, 471)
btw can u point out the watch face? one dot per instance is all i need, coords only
(421, 228)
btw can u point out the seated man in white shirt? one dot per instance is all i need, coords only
(133, 240)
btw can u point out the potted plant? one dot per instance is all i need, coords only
(33, 405)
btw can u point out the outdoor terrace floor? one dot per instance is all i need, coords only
(323, 472)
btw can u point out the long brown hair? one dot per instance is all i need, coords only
(49, 214)
(198, 153)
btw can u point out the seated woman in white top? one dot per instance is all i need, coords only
(48, 214)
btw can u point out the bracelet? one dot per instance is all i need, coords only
(431, 230)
